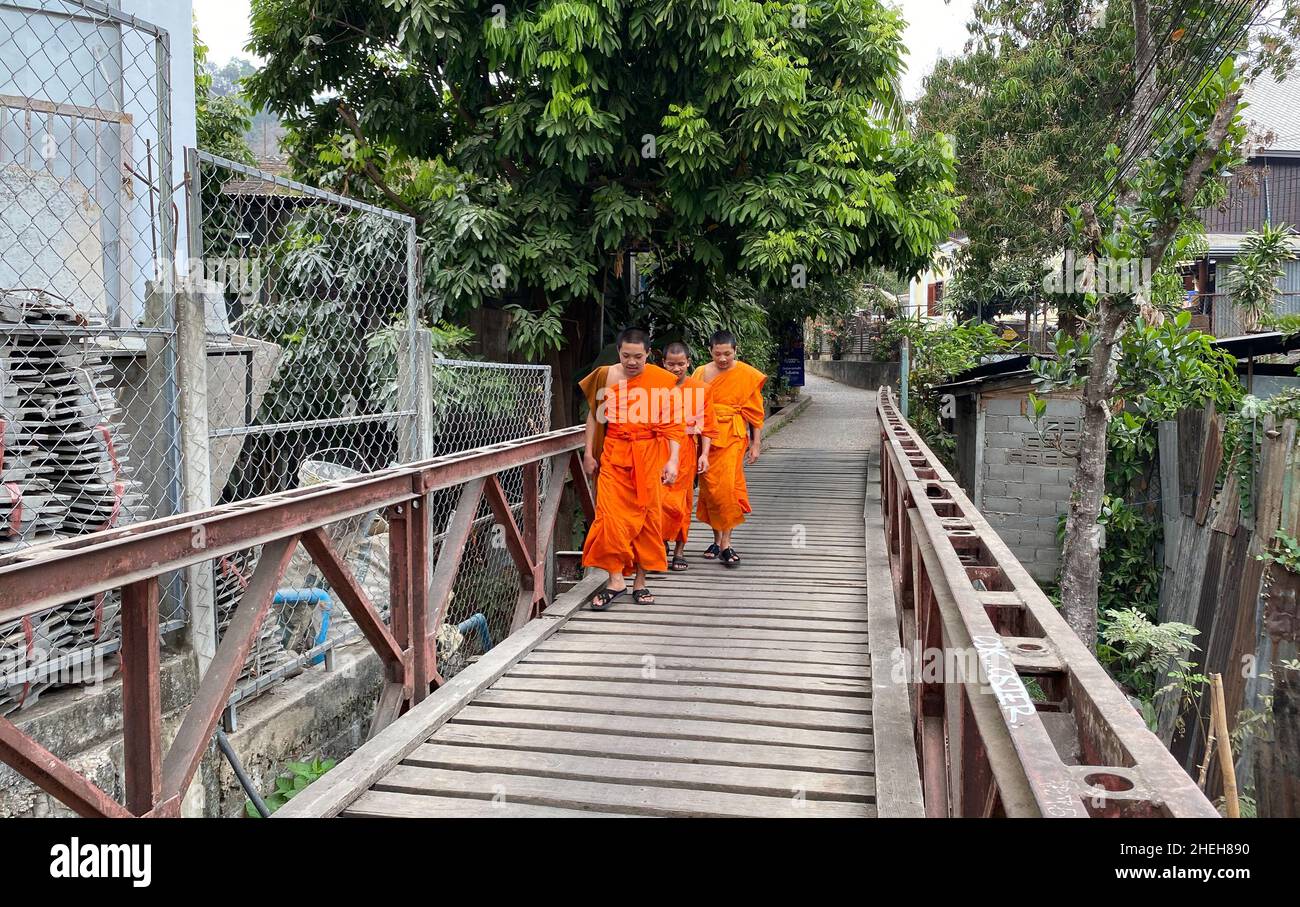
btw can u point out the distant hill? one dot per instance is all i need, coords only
(264, 135)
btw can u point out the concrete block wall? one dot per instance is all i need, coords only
(869, 375)
(1025, 485)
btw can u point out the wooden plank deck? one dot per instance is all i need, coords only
(739, 692)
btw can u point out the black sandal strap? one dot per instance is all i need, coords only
(640, 595)
(729, 557)
(602, 599)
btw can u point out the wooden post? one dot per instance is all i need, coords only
(1205, 762)
(1167, 433)
(1218, 714)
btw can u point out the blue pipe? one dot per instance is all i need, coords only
(311, 597)
(477, 622)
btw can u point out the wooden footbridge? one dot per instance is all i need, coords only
(741, 691)
(798, 684)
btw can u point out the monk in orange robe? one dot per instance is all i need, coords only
(679, 498)
(643, 434)
(735, 401)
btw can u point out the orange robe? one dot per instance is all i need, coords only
(592, 387)
(679, 497)
(735, 399)
(640, 420)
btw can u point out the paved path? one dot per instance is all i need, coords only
(839, 418)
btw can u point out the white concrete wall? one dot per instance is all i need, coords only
(177, 18)
(64, 60)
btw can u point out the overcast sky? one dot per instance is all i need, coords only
(935, 28)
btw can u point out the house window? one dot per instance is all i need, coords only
(933, 296)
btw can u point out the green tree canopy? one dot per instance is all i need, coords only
(1031, 107)
(221, 118)
(539, 144)
(1039, 93)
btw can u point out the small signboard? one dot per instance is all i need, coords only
(792, 353)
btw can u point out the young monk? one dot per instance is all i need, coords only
(679, 498)
(643, 437)
(735, 399)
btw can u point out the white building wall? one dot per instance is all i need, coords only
(79, 216)
(917, 303)
(177, 18)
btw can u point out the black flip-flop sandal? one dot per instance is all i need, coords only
(643, 596)
(729, 557)
(602, 599)
(678, 564)
(712, 552)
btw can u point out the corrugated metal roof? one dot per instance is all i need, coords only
(1275, 107)
(1012, 367)
(1230, 243)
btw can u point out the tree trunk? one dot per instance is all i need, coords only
(565, 364)
(1081, 560)
(1081, 557)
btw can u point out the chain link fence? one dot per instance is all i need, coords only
(317, 373)
(305, 305)
(309, 311)
(474, 404)
(468, 405)
(88, 397)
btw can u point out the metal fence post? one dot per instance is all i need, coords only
(192, 359)
(165, 272)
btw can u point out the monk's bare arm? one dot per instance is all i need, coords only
(670, 468)
(589, 463)
(703, 464)
(756, 443)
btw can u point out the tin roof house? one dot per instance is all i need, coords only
(1265, 190)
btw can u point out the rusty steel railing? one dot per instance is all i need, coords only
(1013, 715)
(133, 559)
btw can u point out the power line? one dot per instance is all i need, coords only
(1148, 113)
(1172, 14)
(1152, 115)
(1191, 77)
(1167, 20)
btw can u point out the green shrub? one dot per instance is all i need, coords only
(291, 785)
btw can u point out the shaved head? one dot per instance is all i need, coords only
(723, 338)
(632, 335)
(677, 359)
(633, 346)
